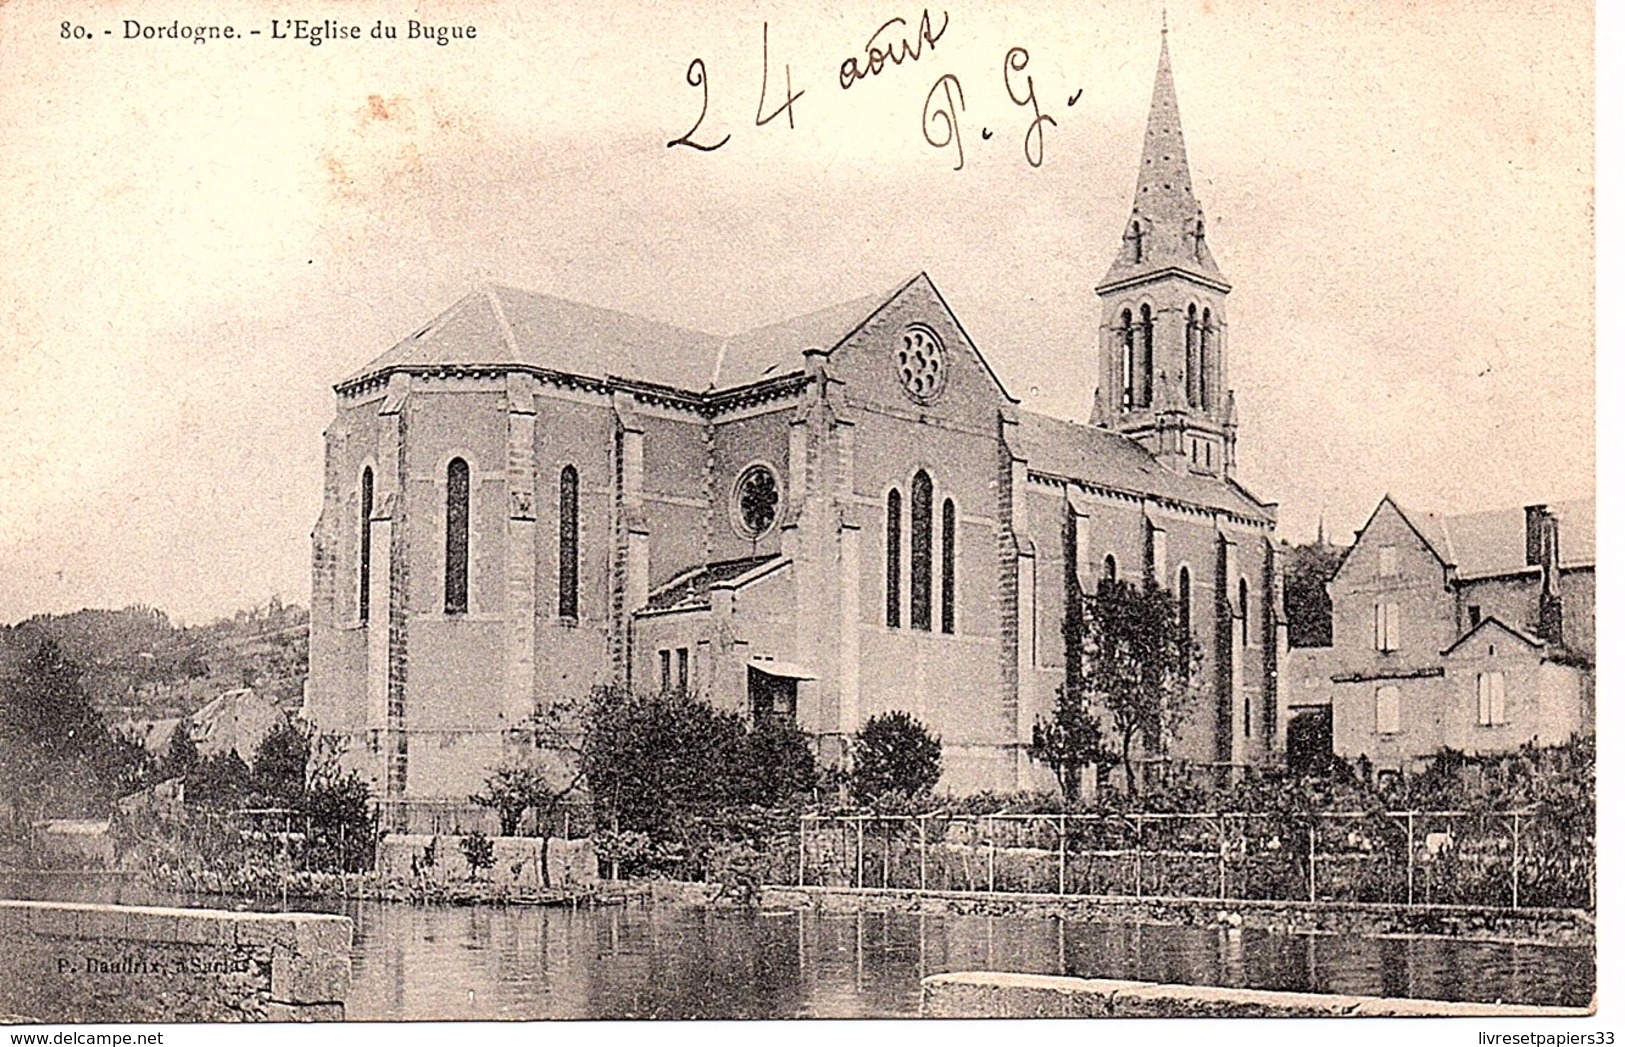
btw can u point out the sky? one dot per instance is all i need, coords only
(203, 237)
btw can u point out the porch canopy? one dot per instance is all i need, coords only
(783, 670)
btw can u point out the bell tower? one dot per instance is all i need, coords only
(1163, 344)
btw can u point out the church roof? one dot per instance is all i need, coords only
(1100, 458)
(496, 325)
(776, 349)
(1166, 229)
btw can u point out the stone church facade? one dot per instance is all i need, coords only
(826, 518)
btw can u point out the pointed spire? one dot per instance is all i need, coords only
(1166, 228)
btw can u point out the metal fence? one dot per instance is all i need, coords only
(569, 820)
(1503, 859)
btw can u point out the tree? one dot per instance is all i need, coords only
(280, 762)
(58, 756)
(220, 780)
(342, 821)
(1070, 742)
(1307, 605)
(894, 753)
(181, 756)
(1139, 664)
(653, 762)
(515, 788)
(775, 764)
(653, 759)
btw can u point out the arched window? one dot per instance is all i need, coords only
(894, 558)
(1241, 592)
(364, 597)
(1126, 359)
(949, 521)
(1205, 363)
(919, 591)
(1191, 362)
(1145, 356)
(1109, 568)
(457, 537)
(1185, 605)
(569, 540)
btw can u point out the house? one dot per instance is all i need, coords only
(825, 518)
(1474, 632)
(233, 721)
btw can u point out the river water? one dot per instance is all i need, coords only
(641, 960)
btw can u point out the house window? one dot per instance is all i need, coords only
(1492, 699)
(1385, 562)
(569, 540)
(919, 594)
(1388, 709)
(665, 671)
(364, 597)
(1386, 631)
(1109, 567)
(1475, 614)
(894, 559)
(682, 670)
(457, 537)
(949, 529)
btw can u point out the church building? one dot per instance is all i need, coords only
(826, 518)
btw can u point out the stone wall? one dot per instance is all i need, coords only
(111, 963)
(999, 994)
(1547, 926)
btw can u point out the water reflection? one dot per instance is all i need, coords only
(643, 961)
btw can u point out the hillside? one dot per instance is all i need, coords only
(140, 665)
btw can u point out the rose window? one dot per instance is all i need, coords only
(922, 365)
(756, 499)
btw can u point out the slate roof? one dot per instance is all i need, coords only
(776, 349)
(496, 325)
(690, 588)
(1105, 459)
(1489, 543)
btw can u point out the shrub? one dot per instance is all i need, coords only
(894, 753)
(478, 852)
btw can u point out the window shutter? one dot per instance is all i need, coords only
(1388, 709)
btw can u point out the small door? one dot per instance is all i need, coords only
(771, 696)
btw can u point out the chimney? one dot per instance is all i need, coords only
(1541, 542)
(1532, 517)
